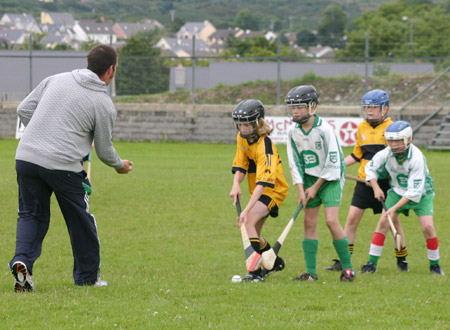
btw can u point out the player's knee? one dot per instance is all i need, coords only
(332, 223)
(428, 230)
(352, 222)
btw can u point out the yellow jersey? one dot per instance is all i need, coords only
(369, 140)
(262, 163)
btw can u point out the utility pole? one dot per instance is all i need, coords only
(366, 84)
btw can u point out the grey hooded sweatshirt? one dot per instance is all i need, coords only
(63, 115)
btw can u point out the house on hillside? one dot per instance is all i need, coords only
(218, 40)
(12, 38)
(23, 22)
(64, 19)
(291, 37)
(58, 35)
(125, 30)
(91, 30)
(183, 47)
(320, 51)
(52, 41)
(151, 22)
(243, 34)
(201, 30)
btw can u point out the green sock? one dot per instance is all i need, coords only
(434, 262)
(374, 259)
(310, 247)
(341, 247)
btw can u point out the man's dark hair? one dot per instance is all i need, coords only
(100, 58)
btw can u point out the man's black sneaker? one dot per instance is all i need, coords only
(347, 275)
(22, 280)
(306, 277)
(277, 267)
(368, 268)
(436, 269)
(336, 266)
(402, 265)
(255, 276)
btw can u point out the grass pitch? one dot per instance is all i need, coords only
(170, 247)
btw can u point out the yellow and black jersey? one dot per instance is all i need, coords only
(262, 163)
(369, 140)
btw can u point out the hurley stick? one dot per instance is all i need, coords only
(252, 258)
(269, 257)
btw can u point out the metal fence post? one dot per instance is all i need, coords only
(30, 40)
(193, 69)
(278, 69)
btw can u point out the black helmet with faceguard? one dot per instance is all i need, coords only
(302, 96)
(248, 112)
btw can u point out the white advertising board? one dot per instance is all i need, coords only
(344, 127)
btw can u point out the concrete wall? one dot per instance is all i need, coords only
(8, 119)
(15, 69)
(208, 123)
(232, 73)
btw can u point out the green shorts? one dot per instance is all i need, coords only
(424, 207)
(330, 193)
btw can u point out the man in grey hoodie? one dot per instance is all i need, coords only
(63, 116)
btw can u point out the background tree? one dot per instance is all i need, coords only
(140, 71)
(399, 30)
(306, 38)
(176, 24)
(247, 20)
(88, 45)
(62, 47)
(256, 47)
(331, 29)
(35, 42)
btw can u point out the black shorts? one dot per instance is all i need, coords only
(363, 196)
(271, 205)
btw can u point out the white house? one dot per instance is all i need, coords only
(24, 22)
(91, 30)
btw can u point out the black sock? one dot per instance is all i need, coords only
(254, 241)
(265, 248)
(350, 248)
(401, 255)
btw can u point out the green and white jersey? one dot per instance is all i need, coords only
(409, 178)
(316, 152)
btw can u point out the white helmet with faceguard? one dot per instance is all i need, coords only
(299, 97)
(248, 112)
(376, 99)
(399, 131)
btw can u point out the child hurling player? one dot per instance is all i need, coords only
(317, 167)
(412, 189)
(257, 156)
(369, 140)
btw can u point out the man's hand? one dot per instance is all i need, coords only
(126, 167)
